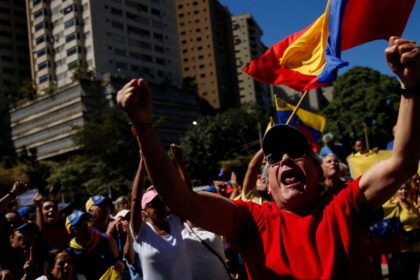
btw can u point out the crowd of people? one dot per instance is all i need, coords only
(295, 215)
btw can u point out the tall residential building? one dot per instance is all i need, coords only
(207, 53)
(114, 39)
(126, 38)
(248, 45)
(14, 52)
(14, 63)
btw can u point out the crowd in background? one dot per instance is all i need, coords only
(48, 242)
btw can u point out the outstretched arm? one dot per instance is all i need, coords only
(382, 180)
(136, 194)
(179, 161)
(206, 210)
(251, 176)
(17, 189)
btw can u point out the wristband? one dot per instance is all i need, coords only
(413, 91)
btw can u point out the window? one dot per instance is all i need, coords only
(43, 79)
(41, 52)
(72, 22)
(160, 61)
(158, 36)
(116, 12)
(159, 49)
(40, 12)
(146, 58)
(72, 36)
(43, 65)
(6, 34)
(7, 58)
(120, 66)
(40, 40)
(69, 9)
(155, 12)
(120, 52)
(73, 50)
(141, 7)
(118, 25)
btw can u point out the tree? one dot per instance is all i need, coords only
(363, 96)
(108, 158)
(217, 138)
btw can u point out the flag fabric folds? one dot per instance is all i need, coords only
(310, 58)
(310, 124)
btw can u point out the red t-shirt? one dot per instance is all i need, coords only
(327, 243)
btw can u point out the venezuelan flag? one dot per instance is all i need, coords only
(310, 124)
(310, 58)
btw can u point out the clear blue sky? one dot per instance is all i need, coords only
(280, 18)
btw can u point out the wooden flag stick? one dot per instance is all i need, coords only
(297, 107)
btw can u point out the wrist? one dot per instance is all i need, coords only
(408, 91)
(12, 194)
(136, 128)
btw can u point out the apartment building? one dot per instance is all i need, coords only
(125, 38)
(248, 45)
(207, 53)
(14, 51)
(114, 40)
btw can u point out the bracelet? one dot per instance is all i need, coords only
(413, 91)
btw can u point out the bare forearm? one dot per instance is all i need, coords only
(136, 194)
(383, 180)
(163, 173)
(252, 172)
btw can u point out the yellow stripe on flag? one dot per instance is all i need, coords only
(306, 54)
(310, 119)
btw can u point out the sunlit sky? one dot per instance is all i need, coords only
(280, 18)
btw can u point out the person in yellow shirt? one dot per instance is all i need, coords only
(405, 265)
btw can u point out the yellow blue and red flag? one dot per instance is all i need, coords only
(310, 124)
(310, 58)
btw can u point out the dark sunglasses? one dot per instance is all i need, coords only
(296, 153)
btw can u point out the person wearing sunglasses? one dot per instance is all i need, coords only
(301, 234)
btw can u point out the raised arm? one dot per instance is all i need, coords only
(206, 210)
(17, 189)
(136, 194)
(179, 161)
(382, 180)
(251, 175)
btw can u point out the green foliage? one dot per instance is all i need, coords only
(363, 95)
(27, 90)
(217, 138)
(108, 159)
(81, 73)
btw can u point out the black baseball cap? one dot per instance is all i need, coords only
(281, 139)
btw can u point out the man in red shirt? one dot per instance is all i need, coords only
(302, 233)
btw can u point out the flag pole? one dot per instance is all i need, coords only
(297, 107)
(365, 129)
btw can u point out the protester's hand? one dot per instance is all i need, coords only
(233, 181)
(38, 198)
(6, 274)
(177, 152)
(403, 57)
(120, 266)
(136, 100)
(111, 227)
(19, 188)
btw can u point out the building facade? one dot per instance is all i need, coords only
(126, 38)
(207, 53)
(248, 45)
